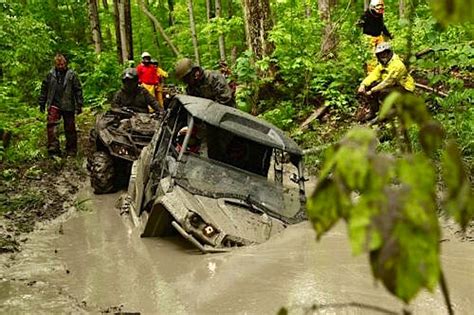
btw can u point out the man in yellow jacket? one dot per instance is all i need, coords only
(390, 73)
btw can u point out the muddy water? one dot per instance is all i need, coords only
(101, 264)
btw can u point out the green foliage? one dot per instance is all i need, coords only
(396, 223)
(281, 116)
(25, 48)
(102, 79)
(390, 203)
(453, 11)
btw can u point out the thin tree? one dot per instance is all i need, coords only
(159, 27)
(118, 37)
(266, 27)
(95, 26)
(402, 8)
(153, 27)
(307, 9)
(123, 32)
(221, 36)
(208, 10)
(170, 12)
(192, 25)
(328, 43)
(258, 23)
(128, 28)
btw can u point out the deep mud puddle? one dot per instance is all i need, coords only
(96, 262)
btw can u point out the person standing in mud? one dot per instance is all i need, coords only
(204, 83)
(61, 95)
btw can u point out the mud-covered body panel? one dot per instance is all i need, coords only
(123, 136)
(212, 201)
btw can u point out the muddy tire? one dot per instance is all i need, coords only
(102, 172)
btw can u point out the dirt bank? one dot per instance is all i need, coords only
(36, 193)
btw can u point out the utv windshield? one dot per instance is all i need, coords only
(215, 179)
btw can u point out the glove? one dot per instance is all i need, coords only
(78, 110)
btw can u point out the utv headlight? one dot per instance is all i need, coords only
(208, 231)
(123, 150)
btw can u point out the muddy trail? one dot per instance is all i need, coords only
(93, 261)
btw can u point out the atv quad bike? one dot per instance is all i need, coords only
(117, 139)
(215, 175)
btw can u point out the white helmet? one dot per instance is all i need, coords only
(377, 6)
(146, 54)
(383, 47)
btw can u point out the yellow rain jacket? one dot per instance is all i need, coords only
(157, 90)
(393, 74)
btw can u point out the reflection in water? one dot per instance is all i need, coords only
(110, 265)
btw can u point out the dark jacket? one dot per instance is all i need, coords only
(213, 86)
(69, 93)
(372, 24)
(137, 100)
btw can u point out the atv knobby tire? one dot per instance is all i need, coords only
(102, 171)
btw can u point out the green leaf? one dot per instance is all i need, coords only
(325, 206)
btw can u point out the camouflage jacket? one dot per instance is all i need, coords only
(69, 92)
(138, 100)
(213, 86)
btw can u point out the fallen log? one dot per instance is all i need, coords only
(430, 89)
(315, 115)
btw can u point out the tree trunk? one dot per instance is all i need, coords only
(230, 9)
(267, 25)
(402, 8)
(258, 23)
(123, 33)
(95, 26)
(208, 10)
(170, 13)
(328, 43)
(159, 27)
(221, 36)
(193, 32)
(128, 28)
(153, 27)
(118, 37)
(307, 9)
(366, 4)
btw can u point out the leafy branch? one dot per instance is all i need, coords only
(390, 203)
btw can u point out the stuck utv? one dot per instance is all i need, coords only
(215, 175)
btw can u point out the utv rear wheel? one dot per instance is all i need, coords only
(101, 167)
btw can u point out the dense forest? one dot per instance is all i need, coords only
(289, 58)
(297, 64)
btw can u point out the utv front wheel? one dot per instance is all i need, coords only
(101, 166)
